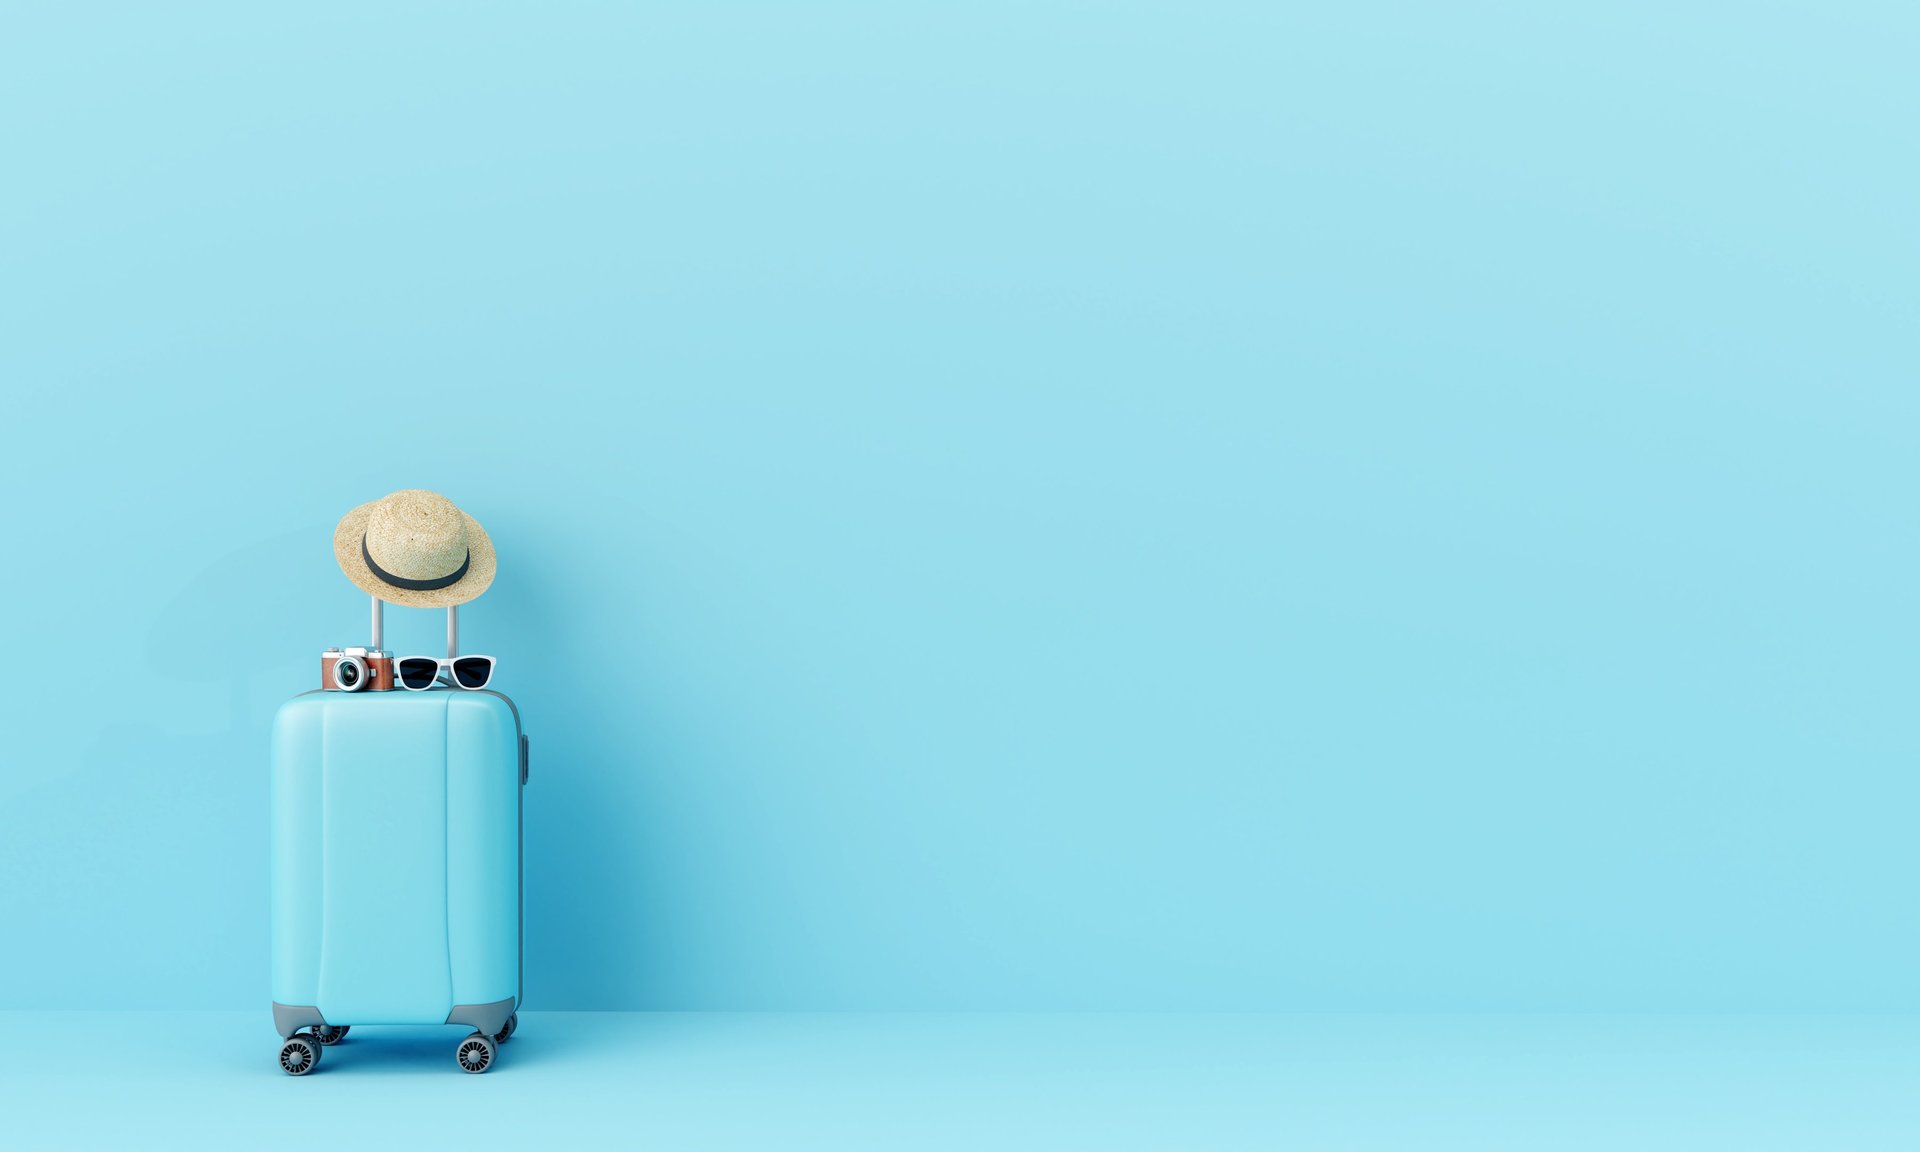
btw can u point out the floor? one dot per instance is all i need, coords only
(571, 1080)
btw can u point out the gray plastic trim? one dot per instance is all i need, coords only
(288, 1019)
(488, 1018)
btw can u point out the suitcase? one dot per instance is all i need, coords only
(396, 867)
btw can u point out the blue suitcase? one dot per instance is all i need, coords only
(396, 870)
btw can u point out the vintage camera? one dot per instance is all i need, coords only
(356, 670)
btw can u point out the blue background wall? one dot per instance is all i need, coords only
(1359, 506)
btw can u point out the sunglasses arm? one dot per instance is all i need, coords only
(453, 632)
(379, 621)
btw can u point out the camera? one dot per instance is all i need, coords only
(356, 670)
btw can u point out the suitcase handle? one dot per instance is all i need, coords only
(379, 627)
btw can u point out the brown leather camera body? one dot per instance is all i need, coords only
(376, 677)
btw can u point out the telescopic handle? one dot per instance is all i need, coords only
(379, 627)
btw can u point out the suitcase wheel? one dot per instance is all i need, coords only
(299, 1054)
(329, 1034)
(506, 1029)
(475, 1053)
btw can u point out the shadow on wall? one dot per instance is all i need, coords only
(592, 847)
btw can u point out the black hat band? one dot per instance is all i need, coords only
(414, 585)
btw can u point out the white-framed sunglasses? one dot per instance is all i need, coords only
(419, 673)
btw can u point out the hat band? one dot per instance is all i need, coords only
(452, 577)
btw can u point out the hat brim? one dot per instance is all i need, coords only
(346, 549)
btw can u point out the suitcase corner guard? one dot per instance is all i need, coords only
(288, 1019)
(488, 1018)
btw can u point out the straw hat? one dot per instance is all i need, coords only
(414, 548)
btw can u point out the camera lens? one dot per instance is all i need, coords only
(349, 673)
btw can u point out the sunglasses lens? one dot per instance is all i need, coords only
(472, 671)
(417, 672)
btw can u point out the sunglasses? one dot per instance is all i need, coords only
(418, 673)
